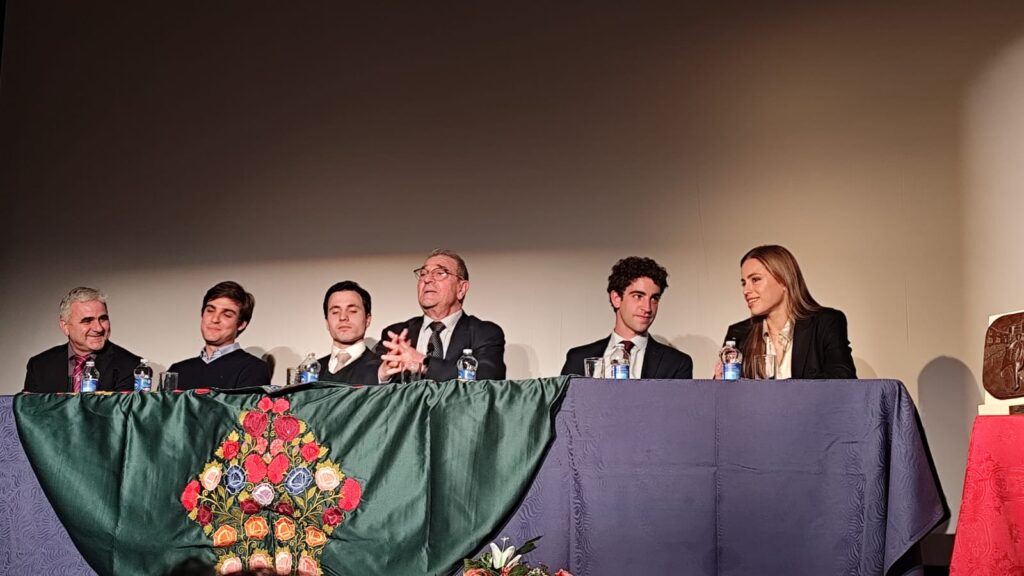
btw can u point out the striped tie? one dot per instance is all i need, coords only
(76, 376)
(434, 347)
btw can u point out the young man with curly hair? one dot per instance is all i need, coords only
(635, 287)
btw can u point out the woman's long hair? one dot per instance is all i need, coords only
(781, 264)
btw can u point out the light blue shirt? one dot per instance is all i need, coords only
(219, 352)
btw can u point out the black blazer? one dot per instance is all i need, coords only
(485, 338)
(362, 371)
(660, 361)
(48, 371)
(821, 348)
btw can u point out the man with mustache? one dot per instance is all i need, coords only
(635, 287)
(347, 314)
(226, 313)
(429, 346)
(84, 320)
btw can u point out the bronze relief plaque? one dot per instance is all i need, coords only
(1003, 371)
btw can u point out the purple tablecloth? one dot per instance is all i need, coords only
(666, 477)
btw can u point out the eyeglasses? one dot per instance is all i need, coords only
(422, 274)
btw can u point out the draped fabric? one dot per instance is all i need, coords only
(988, 531)
(739, 478)
(648, 477)
(439, 465)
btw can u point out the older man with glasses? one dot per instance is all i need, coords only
(429, 346)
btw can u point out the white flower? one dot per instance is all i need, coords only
(263, 494)
(503, 558)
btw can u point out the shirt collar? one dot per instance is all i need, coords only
(449, 321)
(785, 335)
(354, 351)
(222, 351)
(639, 342)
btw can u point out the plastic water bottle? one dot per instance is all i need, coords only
(143, 377)
(732, 361)
(467, 366)
(309, 370)
(90, 377)
(619, 363)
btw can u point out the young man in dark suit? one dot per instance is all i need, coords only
(86, 323)
(430, 345)
(635, 287)
(222, 363)
(347, 314)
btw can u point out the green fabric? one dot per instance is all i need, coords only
(441, 465)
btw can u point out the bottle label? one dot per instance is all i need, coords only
(143, 384)
(307, 376)
(89, 384)
(467, 374)
(731, 371)
(620, 371)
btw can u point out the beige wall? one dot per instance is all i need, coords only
(155, 154)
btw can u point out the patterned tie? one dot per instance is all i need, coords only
(338, 360)
(76, 376)
(434, 347)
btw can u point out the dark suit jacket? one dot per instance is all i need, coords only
(660, 361)
(48, 371)
(485, 338)
(362, 371)
(821, 348)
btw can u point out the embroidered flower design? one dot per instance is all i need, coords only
(234, 480)
(264, 494)
(190, 496)
(270, 497)
(297, 481)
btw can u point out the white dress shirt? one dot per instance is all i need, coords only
(636, 355)
(446, 335)
(354, 352)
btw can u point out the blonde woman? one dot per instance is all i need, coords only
(808, 341)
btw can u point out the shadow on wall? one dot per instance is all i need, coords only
(521, 362)
(864, 370)
(948, 398)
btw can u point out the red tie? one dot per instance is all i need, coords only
(628, 345)
(76, 376)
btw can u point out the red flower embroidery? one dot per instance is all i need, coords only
(261, 445)
(204, 515)
(276, 446)
(230, 448)
(265, 404)
(255, 469)
(278, 466)
(255, 423)
(280, 405)
(287, 427)
(310, 451)
(250, 506)
(351, 492)
(332, 516)
(190, 496)
(285, 509)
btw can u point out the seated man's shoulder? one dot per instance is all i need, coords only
(58, 351)
(669, 350)
(480, 324)
(119, 353)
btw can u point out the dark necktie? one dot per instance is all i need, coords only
(628, 345)
(434, 347)
(76, 376)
